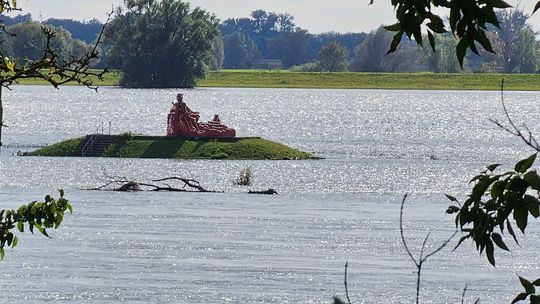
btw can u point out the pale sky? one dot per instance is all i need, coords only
(314, 15)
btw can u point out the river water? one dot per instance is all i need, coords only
(237, 248)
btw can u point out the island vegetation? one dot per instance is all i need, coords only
(129, 146)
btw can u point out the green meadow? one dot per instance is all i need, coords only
(351, 80)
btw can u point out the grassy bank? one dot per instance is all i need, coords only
(346, 80)
(70, 147)
(109, 79)
(349, 80)
(162, 147)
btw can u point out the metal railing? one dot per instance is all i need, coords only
(90, 141)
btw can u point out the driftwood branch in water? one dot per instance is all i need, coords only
(126, 185)
(270, 191)
(123, 184)
(187, 182)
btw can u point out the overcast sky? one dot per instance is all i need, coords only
(314, 15)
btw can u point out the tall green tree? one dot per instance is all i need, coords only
(240, 51)
(260, 27)
(333, 57)
(443, 59)
(371, 55)
(514, 42)
(290, 47)
(161, 44)
(49, 64)
(218, 54)
(27, 42)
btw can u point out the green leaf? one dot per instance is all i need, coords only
(520, 215)
(9, 64)
(477, 177)
(497, 239)
(395, 42)
(59, 219)
(20, 226)
(511, 231)
(490, 250)
(15, 242)
(489, 14)
(529, 287)
(431, 40)
(536, 282)
(337, 300)
(520, 297)
(481, 186)
(524, 164)
(69, 207)
(61, 192)
(486, 44)
(9, 238)
(536, 7)
(394, 27)
(498, 3)
(473, 48)
(436, 27)
(463, 238)
(2, 253)
(453, 199)
(532, 179)
(497, 189)
(532, 204)
(455, 15)
(452, 209)
(493, 167)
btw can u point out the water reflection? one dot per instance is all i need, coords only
(215, 248)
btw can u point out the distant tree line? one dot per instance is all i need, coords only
(250, 42)
(25, 40)
(145, 37)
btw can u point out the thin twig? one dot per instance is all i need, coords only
(401, 230)
(420, 262)
(463, 295)
(528, 138)
(346, 285)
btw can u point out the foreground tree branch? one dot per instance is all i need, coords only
(50, 67)
(419, 262)
(525, 135)
(39, 215)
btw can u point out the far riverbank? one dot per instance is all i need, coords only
(353, 80)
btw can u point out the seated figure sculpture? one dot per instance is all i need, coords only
(183, 122)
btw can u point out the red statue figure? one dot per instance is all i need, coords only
(182, 122)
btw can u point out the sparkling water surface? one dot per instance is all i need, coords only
(237, 248)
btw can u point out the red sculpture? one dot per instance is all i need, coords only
(182, 122)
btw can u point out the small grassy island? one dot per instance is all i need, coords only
(129, 146)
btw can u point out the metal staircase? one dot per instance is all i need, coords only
(95, 144)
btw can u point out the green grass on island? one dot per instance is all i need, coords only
(352, 80)
(162, 147)
(68, 147)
